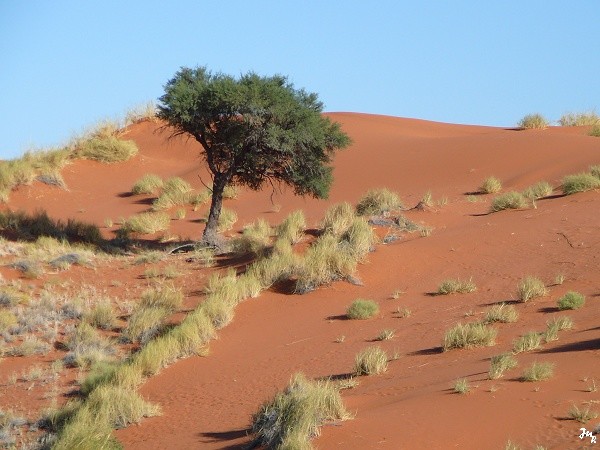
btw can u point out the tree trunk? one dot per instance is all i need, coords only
(210, 232)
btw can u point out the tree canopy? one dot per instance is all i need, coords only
(253, 130)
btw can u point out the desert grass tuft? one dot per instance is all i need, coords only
(461, 386)
(255, 238)
(503, 313)
(500, 364)
(378, 202)
(531, 287)
(371, 361)
(538, 190)
(175, 192)
(509, 200)
(292, 228)
(595, 131)
(583, 414)
(148, 223)
(527, 342)
(148, 184)
(106, 149)
(227, 219)
(338, 218)
(452, 286)
(385, 335)
(571, 300)
(538, 371)
(362, 309)
(532, 121)
(490, 185)
(579, 119)
(294, 416)
(572, 184)
(469, 335)
(102, 315)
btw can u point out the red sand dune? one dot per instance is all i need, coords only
(207, 401)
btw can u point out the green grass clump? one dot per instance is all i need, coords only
(144, 324)
(531, 287)
(538, 371)
(338, 218)
(571, 300)
(378, 202)
(595, 170)
(581, 182)
(7, 320)
(503, 313)
(490, 185)
(538, 190)
(293, 417)
(86, 347)
(359, 239)
(595, 131)
(528, 342)
(147, 223)
(509, 200)
(292, 228)
(531, 121)
(371, 361)
(148, 184)
(461, 386)
(500, 364)
(362, 309)
(106, 149)
(165, 296)
(579, 119)
(469, 335)
(452, 286)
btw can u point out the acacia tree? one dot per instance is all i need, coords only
(253, 130)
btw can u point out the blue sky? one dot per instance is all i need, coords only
(67, 64)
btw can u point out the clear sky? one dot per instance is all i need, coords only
(67, 64)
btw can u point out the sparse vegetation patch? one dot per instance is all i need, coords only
(469, 335)
(362, 309)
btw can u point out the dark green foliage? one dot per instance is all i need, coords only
(253, 130)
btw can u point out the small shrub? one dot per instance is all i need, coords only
(559, 279)
(538, 190)
(503, 313)
(561, 323)
(595, 131)
(371, 361)
(531, 121)
(583, 415)
(571, 300)
(461, 386)
(595, 170)
(581, 182)
(378, 202)
(539, 371)
(148, 223)
(509, 200)
(579, 119)
(531, 287)
(528, 342)
(362, 309)
(148, 184)
(469, 335)
(490, 185)
(294, 416)
(500, 364)
(452, 286)
(7, 320)
(230, 192)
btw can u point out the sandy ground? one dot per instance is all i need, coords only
(207, 401)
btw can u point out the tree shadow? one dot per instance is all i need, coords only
(125, 194)
(225, 436)
(338, 377)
